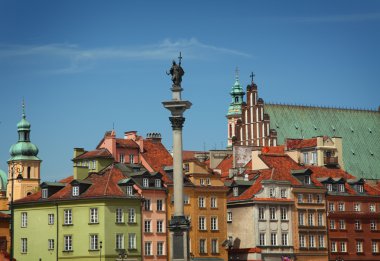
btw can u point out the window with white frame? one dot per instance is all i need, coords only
(331, 206)
(236, 191)
(68, 243)
(160, 205)
(305, 157)
(75, 191)
(311, 241)
(262, 239)
(147, 206)
(272, 213)
(201, 202)
(214, 246)
(147, 226)
(67, 217)
(160, 248)
(131, 158)
(284, 239)
(157, 183)
(273, 239)
(121, 157)
(44, 193)
(342, 224)
(359, 246)
(341, 206)
(208, 181)
(343, 246)
(24, 219)
(202, 223)
(320, 219)
(24, 245)
(145, 182)
(358, 225)
(261, 213)
(373, 225)
(51, 219)
(214, 223)
(186, 199)
(321, 241)
(214, 202)
(131, 241)
(119, 215)
(301, 218)
(332, 224)
(202, 246)
(310, 198)
(333, 246)
(148, 248)
(319, 198)
(357, 207)
(300, 198)
(94, 164)
(310, 218)
(313, 157)
(307, 180)
(202, 182)
(272, 192)
(375, 246)
(372, 207)
(360, 188)
(160, 226)
(283, 193)
(329, 187)
(229, 216)
(131, 215)
(50, 244)
(119, 241)
(284, 213)
(302, 240)
(341, 187)
(129, 190)
(94, 217)
(94, 242)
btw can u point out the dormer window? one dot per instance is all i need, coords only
(145, 182)
(121, 157)
(236, 191)
(305, 158)
(341, 187)
(75, 191)
(208, 182)
(307, 180)
(44, 193)
(157, 183)
(360, 188)
(329, 187)
(272, 192)
(131, 158)
(202, 182)
(129, 190)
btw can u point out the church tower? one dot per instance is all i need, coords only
(23, 161)
(234, 110)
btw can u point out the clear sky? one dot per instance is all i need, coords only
(82, 66)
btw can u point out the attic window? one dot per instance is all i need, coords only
(131, 158)
(236, 191)
(341, 188)
(129, 190)
(75, 191)
(145, 182)
(157, 183)
(44, 193)
(360, 188)
(307, 180)
(329, 187)
(272, 192)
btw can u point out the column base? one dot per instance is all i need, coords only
(179, 235)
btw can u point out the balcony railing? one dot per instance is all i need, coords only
(331, 161)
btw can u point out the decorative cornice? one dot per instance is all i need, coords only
(177, 122)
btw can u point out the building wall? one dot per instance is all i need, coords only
(4, 232)
(243, 236)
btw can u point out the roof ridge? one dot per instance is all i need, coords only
(322, 107)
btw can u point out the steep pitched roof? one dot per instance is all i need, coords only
(301, 143)
(98, 153)
(359, 129)
(126, 143)
(225, 165)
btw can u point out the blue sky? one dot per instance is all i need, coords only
(82, 66)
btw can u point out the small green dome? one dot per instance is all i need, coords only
(23, 124)
(3, 180)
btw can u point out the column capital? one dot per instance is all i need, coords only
(177, 122)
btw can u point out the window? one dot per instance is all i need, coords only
(272, 212)
(214, 246)
(148, 248)
(360, 188)
(50, 244)
(202, 182)
(329, 187)
(261, 213)
(305, 157)
(310, 198)
(372, 207)
(94, 242)
(68, 217)
(301, 219)
(119, 215)
(319, 198)
(236, 191)
(300, 198)
(147, 226)
(44, 193)
(284, 214)
(333, 246)
(24, 245)
(94, 164)
(208, 181)
(121, 157)
(75, 191)
(157, 183)
(283, 193)
(373, 225)
(51, 219)
(342, 224)
(321, 241)
(202, 246)
(186, 199)
(273, 239)
(186, 167)
(202, 223)
(331, 206)
(311, 241)
(214, 202)
(358, 225)
(359, 246)
(310, 218)
(272, 192)
(229, 216)
(214, 223)
(341, 206)
(131, 158)
(201, 202)
(262, 239)
(320, 219)
(129, 190)
(307, 180)
(313, 157)
(24, 219)
(332, 224)
(131, 241)
(160, 226)
(119, 241)
(160, 248)
(341, 187)
(145, 182)
(343, 247)
(375, 247)
(357, 207)
(131, 215)
(68, 243)
(94, 216)
(284, 239)
(302, 240)
(160, 205)
(147, 204)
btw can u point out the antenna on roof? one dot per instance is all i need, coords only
(113, 125)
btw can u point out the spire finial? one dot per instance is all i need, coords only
(237, 73)
(252, 76)
(23, 109)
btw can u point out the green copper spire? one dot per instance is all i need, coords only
(23, 149)
(237, 94)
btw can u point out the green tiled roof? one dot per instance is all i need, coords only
(359, 129)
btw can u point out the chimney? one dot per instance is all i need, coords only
(154, 136)
(130, 135)
(78, 151)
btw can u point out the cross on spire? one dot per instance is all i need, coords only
(180, 58)
(252, 76)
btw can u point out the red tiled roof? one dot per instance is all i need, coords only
(301, 143)
(274, 149)
(321, 172)
(3, 215)
(98, 153)
(225, 165)
(127, 143)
